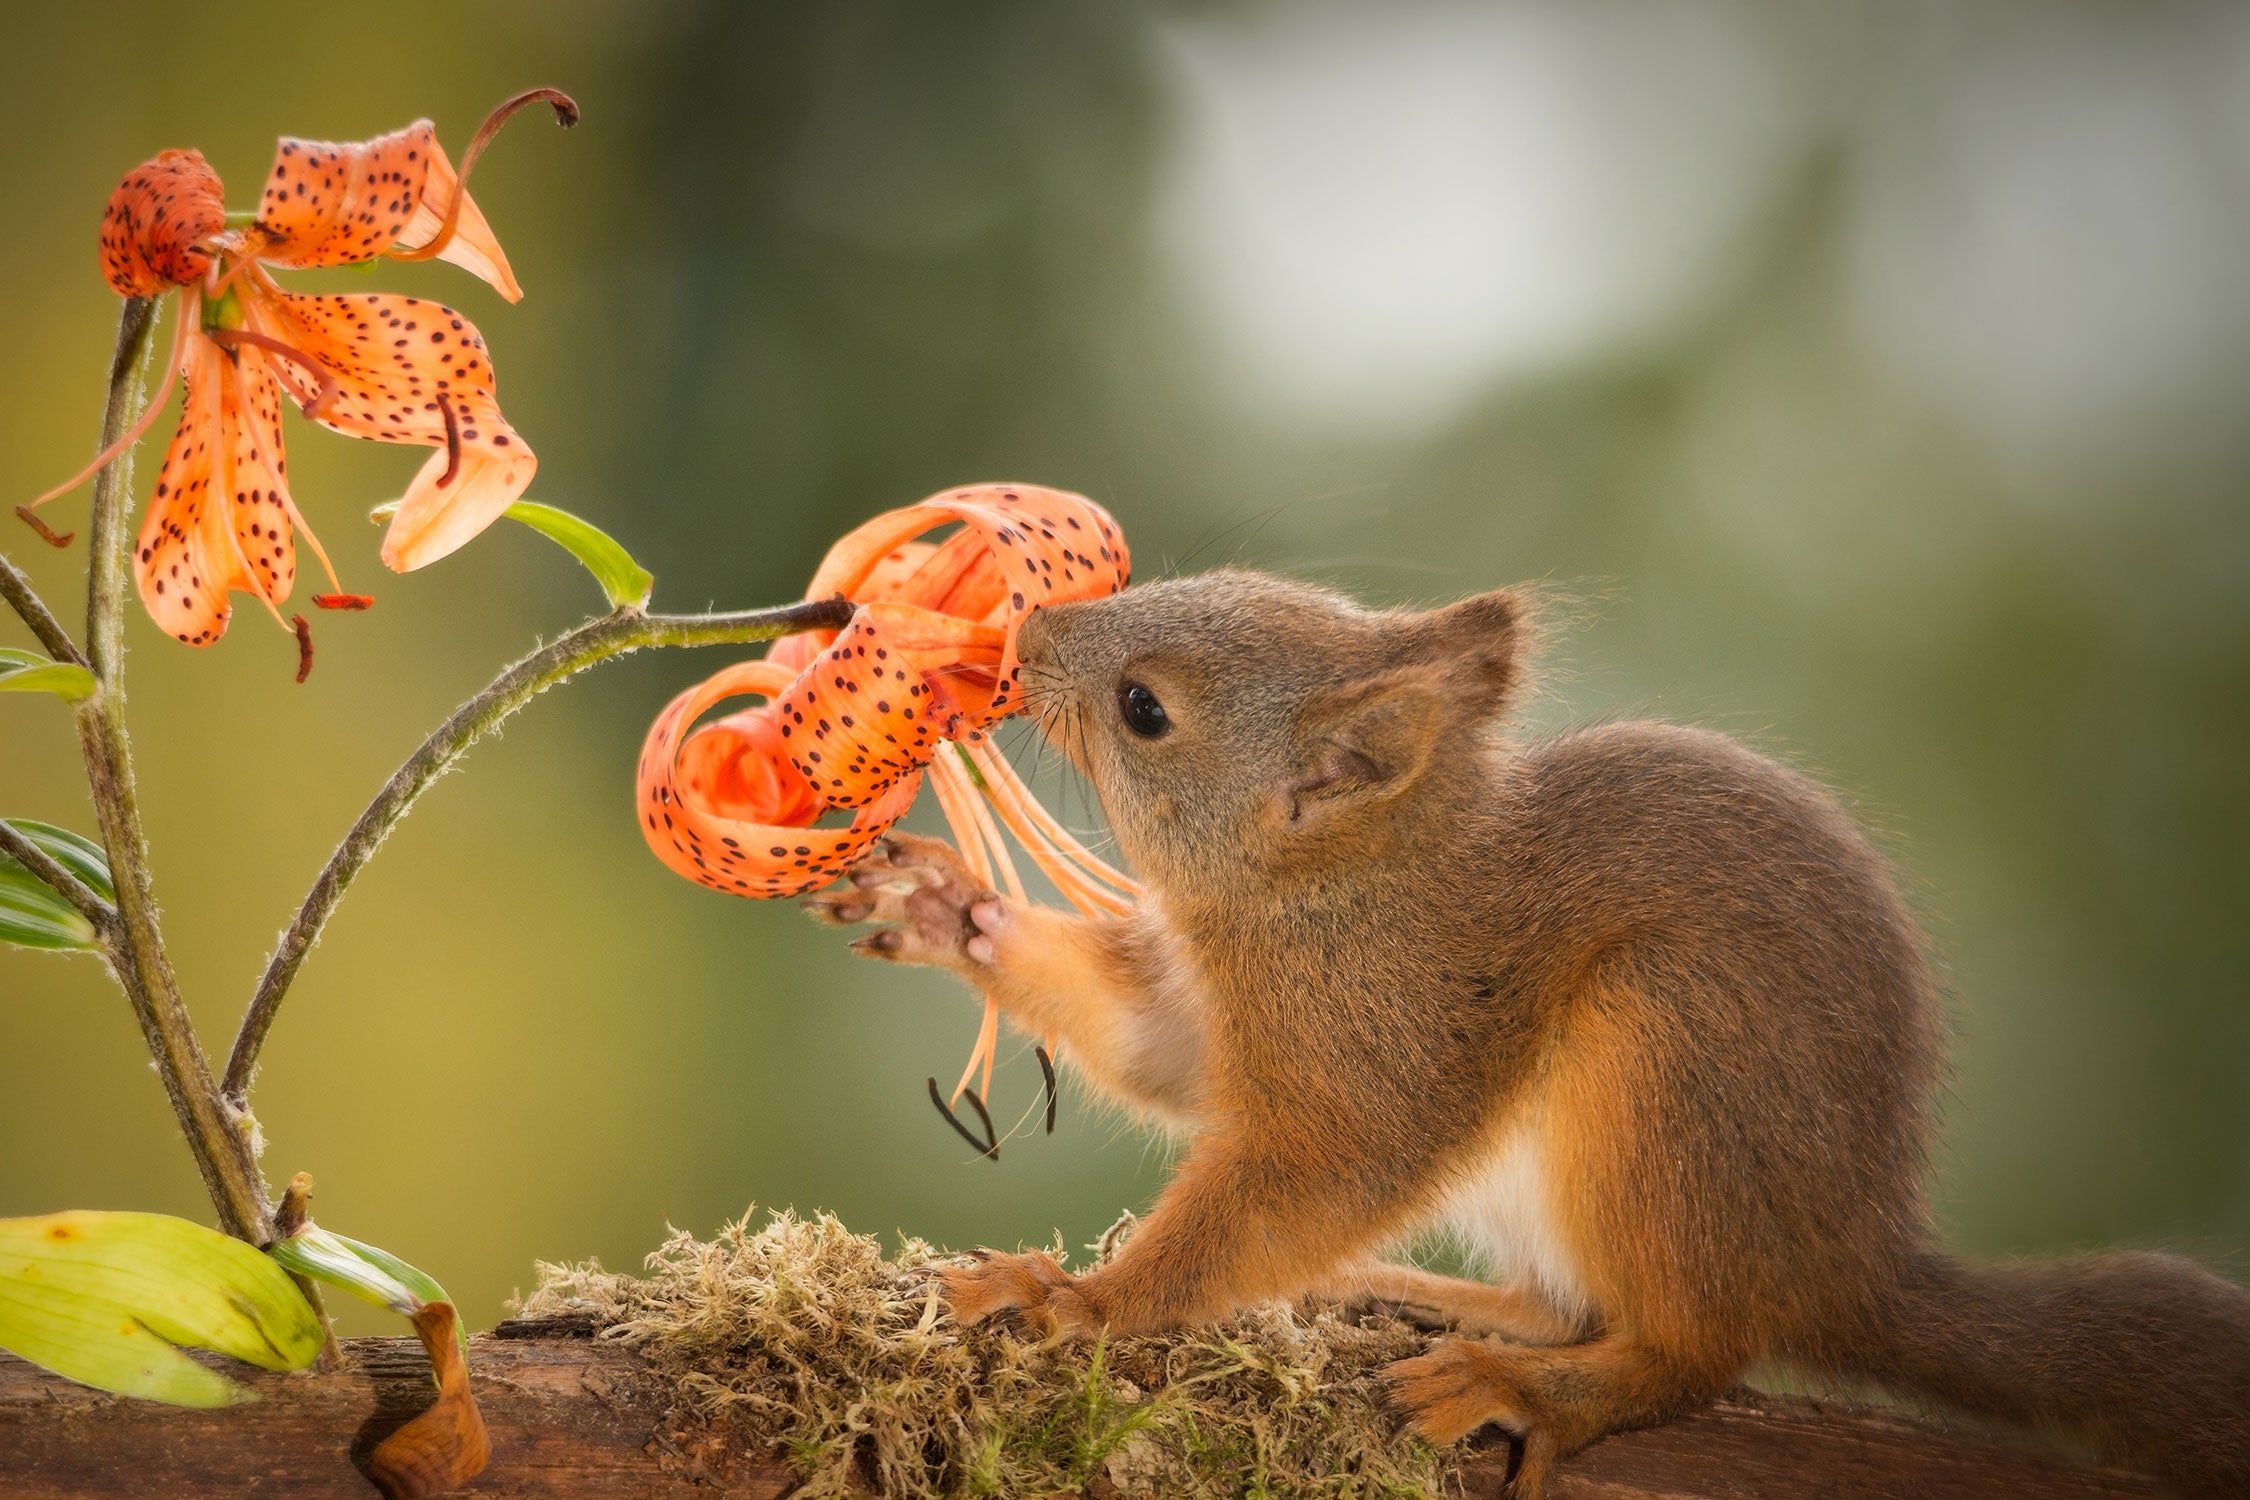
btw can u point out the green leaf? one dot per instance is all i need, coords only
(622, 579)
(32, 913)
(366, 1272)
(102, 1298)
(28, 672)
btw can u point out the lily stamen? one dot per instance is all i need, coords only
(271, 463)
(566, 115)
(231, 338)
(190, 310)
(855, 718)
(452, 443)
(47, 533)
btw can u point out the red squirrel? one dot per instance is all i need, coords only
(1638, 1011)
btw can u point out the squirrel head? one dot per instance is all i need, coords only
(1238, 723)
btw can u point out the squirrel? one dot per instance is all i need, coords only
(1639, 1012)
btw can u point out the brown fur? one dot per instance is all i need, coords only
(1646, 1001)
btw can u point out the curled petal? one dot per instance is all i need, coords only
(891, 574)
(472, 245)
(158, 223)
(1020, 546)
(330, 203)
(871, 709)
(449, 503)
(448, 225)
(405, 370)
(737, 767)
(687, 828)
(388, 358)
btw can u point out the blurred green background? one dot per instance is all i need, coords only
(1873, 378)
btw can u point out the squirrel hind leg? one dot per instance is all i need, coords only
(1555, 1400)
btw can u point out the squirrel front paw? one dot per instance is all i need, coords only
(921, 887)
(1032, 1285)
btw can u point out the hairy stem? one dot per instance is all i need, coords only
(64, 884)
(17, 590)
(597, 640)
(214, 1133)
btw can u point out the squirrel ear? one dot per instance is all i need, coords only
(1479, 641)
(1367, 743)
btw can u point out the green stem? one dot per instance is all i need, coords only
(17, 590)
(597, 640)
(215, 1134)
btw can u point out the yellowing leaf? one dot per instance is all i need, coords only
(28, 672)
(104, 1346)
(102, 1297)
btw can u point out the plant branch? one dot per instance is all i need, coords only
(17, 590)
(66, 885)
(597, 640)
(221, 1147)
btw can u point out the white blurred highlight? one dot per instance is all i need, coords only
(1380, 210)
(2051, 230)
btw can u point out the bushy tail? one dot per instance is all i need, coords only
(2146, 1355)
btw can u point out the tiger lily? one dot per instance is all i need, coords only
(854, 718)
(370, 365)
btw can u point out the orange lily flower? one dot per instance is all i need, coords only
(854, 718)
(394, 369)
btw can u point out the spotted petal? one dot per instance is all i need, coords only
(331, 203)
(738, 767)
(438, 515)
(256, 495)
(1020, 546)
(406, 370)
(473, 246)
(891, 575)
(870, 711)
(685, 818)
(189, 557)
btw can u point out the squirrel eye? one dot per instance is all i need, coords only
(1142, 713)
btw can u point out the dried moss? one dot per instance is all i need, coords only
(804, 1336)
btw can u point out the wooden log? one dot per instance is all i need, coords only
(573, 1417)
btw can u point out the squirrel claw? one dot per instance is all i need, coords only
(921, 887)
(1459, 1386)
(838, 911)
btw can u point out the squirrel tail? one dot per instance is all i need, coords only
(2148, 1356)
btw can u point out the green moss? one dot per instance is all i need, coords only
(804, 1337)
